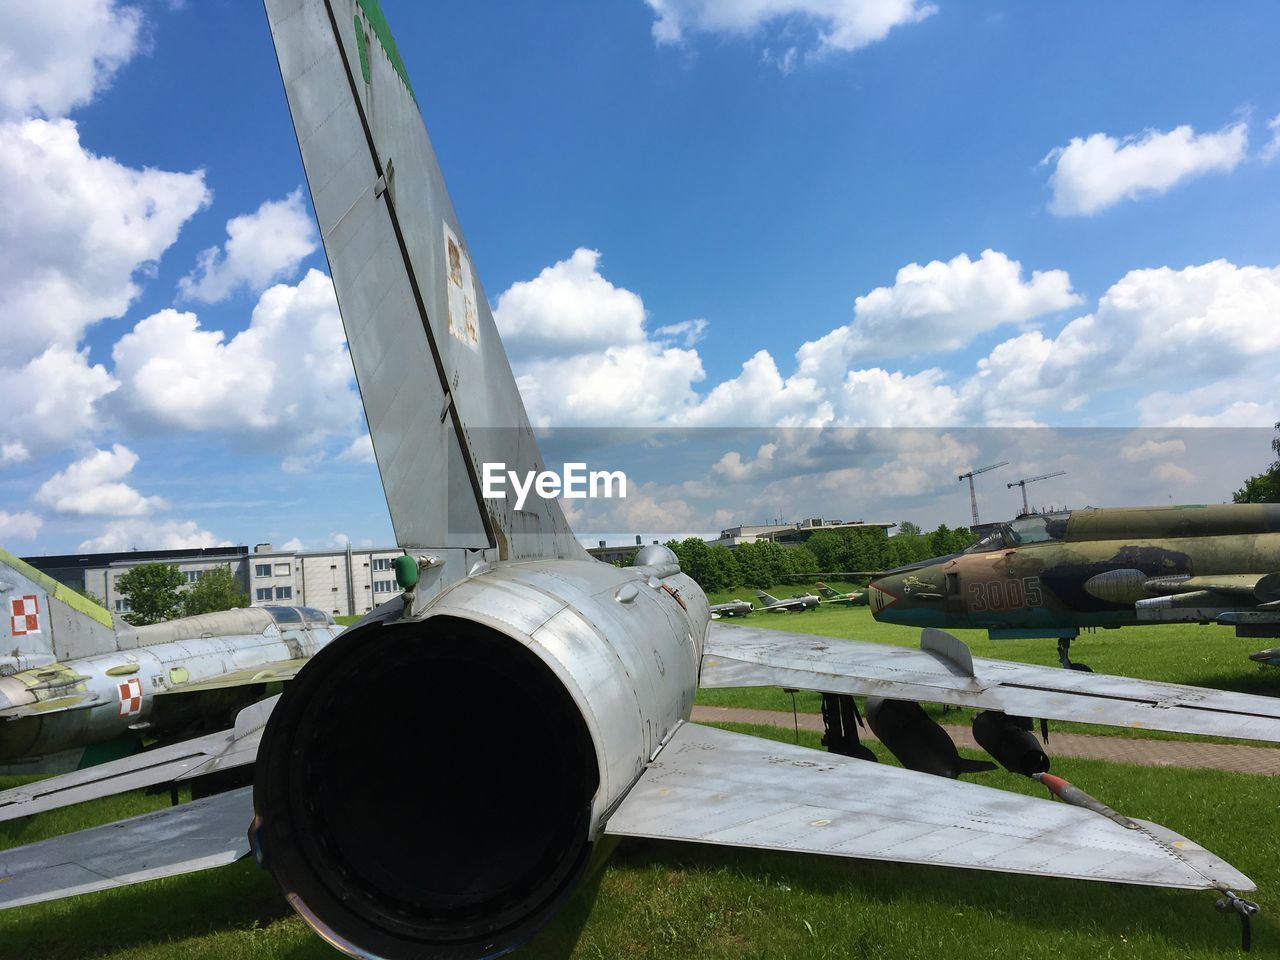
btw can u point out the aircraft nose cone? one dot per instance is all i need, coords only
(879, 599)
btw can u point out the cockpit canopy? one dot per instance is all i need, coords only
(1037, 528)
(288, 616)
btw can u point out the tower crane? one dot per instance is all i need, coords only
(973, 496)
(1023, 484)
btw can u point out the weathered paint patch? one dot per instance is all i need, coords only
(460, 282)
(362, 45)
(378, 21)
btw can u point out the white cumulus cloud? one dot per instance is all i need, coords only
(56, 54)
(287, 376)
(839, 24)
(51, 400)
(1095, 172)
(94, 486)
(568, 308)
(938, 307)
(13, 452)
(359, 451)
(19, 526)
(75, 229)
(1205, 325)
(1271, 149)
(262, 247)
(1153, 450)
(581, 354)
(137, 534)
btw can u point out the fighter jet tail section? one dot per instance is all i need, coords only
(438, 391)
(45, 621)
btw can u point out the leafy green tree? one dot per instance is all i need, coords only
(800, 562)
(151, 590)
(695, 560)
(939, 540)
(828, 547)
(726, 565)
(217, 589)
(1264, 487)
(909, 528)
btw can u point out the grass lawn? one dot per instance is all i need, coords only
(1206, 656)
(668, 900)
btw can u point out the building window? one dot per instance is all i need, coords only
(284, 593)
(384, 586)
(194, 575)
(283, 569)
(333, 566)
(382, 563)
(263, 593)
(122, 606)
(262, 569)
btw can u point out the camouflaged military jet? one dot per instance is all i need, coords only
(438, 780)
(854, 598)
(1049, 575)
(77, 685)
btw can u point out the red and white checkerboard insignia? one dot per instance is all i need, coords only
(131, 697)
(25, 613)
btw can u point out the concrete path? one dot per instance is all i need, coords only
(1236, 758)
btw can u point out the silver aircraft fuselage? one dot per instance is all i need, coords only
(153, 683)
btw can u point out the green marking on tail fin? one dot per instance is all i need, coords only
(378, 21)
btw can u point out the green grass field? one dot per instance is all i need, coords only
(672, 901)
(665, 900)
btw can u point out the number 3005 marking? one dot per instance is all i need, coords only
(1005, 594)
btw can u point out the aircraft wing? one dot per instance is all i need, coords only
(169, 764)
(183, 839)
(943, 671)
(265, 673)
(711, 786)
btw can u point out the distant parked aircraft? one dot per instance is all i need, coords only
(73, 678)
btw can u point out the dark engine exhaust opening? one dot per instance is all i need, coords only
(425, 785)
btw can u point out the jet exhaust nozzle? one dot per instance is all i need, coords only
(1011, 741)
(423, 789)
(916, 740)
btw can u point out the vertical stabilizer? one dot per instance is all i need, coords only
(44, 620)
(437, 388)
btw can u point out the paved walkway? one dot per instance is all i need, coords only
(1236, 758)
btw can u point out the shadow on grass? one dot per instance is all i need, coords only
(237, 897)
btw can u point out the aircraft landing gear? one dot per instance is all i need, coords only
(840, 720)
(1064, 656)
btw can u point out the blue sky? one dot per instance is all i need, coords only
(757, 176)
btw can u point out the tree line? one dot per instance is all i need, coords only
(1263, 487)
(153, 592)
(765, 563)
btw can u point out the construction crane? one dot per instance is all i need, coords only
(1023, 484)
(973, 497)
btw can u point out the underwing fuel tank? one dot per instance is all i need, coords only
(433, 786)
